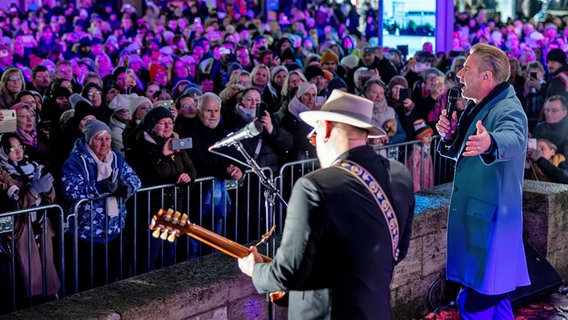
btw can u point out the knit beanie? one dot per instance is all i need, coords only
(304, 87)
(329, 55)
(155, 69)
(120, 102)
(398, 80)
(154, 115)
(336, 83)
(192, 91)
(75, 98)
(136, 101)
(556, 55)
(313, 71)
(421, 129)
(276, 70)
(350, 61)
(92, 127)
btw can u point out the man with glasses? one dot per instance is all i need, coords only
(555, 125)
(339, 245)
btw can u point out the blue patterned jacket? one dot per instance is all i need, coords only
(79, 176)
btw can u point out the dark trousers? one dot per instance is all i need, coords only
(477, 306)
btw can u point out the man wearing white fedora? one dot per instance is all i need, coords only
(347, 224)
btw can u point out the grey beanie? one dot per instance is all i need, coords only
(92, 128)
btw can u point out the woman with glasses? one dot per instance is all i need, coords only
(11, 83)
(94, 93)
(157, 163)
(35, 140)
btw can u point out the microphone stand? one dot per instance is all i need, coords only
(270, 194)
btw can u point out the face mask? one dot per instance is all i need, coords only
(246, 114)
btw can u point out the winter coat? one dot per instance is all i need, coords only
(79, 177)
(485, 249)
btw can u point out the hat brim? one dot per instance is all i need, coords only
(312, 117)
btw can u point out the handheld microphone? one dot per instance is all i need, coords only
(454, 94)
(250, 130)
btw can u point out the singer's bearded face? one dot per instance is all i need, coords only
(210, 113)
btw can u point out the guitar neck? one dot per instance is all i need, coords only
(219, 242)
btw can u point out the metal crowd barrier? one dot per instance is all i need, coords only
(248, 215)
(32, 266)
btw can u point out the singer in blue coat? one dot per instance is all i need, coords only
(485, 250)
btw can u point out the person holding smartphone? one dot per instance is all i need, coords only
(399, 97)
(534, 92)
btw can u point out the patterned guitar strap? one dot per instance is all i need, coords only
(380, 197)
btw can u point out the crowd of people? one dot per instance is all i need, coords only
(99, 93)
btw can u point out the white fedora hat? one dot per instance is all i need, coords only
(345, 108)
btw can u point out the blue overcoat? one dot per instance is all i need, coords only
(485, 233)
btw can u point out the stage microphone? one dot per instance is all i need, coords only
(252, 129)
(454, 94)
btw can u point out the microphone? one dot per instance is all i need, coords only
(252, 129)
(453, 95)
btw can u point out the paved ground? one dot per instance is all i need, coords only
(554, 307)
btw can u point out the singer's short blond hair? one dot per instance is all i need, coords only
(494, 60)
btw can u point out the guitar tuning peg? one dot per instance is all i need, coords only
(172, 236)
(161, 212)
(156, 233)
(152, 224)
(183, 220)
(164, 235)
(176, 216)
(170, 211)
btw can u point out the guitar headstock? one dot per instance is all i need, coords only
(167, 225)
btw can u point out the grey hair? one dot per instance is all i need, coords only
(207, 96)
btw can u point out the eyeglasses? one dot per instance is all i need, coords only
(165, 123)
(18, 148)
(186, 106)
(553, 110)
(312, 136)
(15, 79)
(92, 93)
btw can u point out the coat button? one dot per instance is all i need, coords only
(456, 189)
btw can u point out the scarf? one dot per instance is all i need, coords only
(296, 107)
(160, 141)
(29, 139)
(472, 110)
(105, 170)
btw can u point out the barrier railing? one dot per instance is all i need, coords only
(242, 214)
(32, 266)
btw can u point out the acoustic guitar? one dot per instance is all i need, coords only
(167, 225)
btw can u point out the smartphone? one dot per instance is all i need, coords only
(403, 93)
(180, 144)
(260, 108)
(164, 103)
(532, 143)
(441, 80)
(534, 75)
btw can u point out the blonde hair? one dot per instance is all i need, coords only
(492, 59)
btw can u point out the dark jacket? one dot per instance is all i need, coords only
(559, 83)
(301, 148)
(336, 256)
(273, 146)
